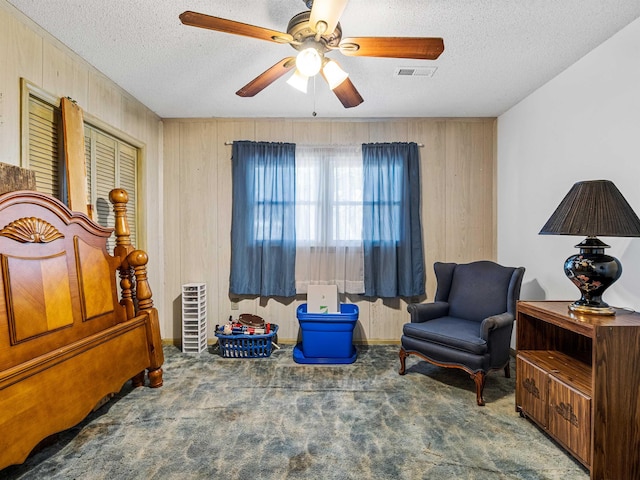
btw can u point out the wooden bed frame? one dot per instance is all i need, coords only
(67, 338)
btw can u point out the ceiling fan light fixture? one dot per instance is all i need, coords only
(334, 74)
(327, 12)
(298, 81)
(309, 62)
(321, 28)
(314, 33)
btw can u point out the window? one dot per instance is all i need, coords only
(348, 216)
(385, 200)
(329, 186)
(328, 195)
(111, 160)
(270, 204)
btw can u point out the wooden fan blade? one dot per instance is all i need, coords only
(201, 20)
(347, 94)
(327, 11)
(422, 48)
(267, 77)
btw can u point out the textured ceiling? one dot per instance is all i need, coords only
(496, 52)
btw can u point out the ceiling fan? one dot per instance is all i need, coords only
(314, 33)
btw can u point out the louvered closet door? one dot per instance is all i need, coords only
(89, 164)
(127, 163)
(102, 178)
(110, 162)
(45, 146)
(112, 165)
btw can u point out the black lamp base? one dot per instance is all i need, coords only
(592, 272)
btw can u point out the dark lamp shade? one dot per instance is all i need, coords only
(593, 208)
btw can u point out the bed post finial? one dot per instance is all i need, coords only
(123, 248)
(138, 260)
(119, 199)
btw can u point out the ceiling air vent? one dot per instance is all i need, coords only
(415, 71)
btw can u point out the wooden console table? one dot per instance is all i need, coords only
(578, 378)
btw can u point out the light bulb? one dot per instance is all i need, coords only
(309, 62)
(333, 74)
(298, 81)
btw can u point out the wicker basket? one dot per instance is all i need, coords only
(246, 346)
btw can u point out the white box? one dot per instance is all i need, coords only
(322, 299)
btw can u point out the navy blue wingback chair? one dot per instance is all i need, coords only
(469, 324)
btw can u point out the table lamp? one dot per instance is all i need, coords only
(593, 208)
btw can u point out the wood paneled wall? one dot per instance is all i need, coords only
(185, 188)
(27, 51)
(458, 207)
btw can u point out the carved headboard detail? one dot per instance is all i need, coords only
(31, 230)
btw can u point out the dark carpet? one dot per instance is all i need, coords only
(272, 418)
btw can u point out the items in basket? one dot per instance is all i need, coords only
(238, 328)
(251, 320)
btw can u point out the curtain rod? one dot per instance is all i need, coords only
(231, 143)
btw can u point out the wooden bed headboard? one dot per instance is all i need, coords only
(70, 333)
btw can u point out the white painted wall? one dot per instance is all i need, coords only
(582, 125)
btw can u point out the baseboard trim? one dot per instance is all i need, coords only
(177, 342)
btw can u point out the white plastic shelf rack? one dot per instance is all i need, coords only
(194, 318)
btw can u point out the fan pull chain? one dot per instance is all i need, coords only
(314, 97)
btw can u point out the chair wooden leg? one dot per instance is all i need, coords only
(403, 355)
(507, 371)
(479, 378)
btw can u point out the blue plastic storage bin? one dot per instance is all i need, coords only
(326, 337)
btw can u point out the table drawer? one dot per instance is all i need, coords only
(533, 390)
(570, 418)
